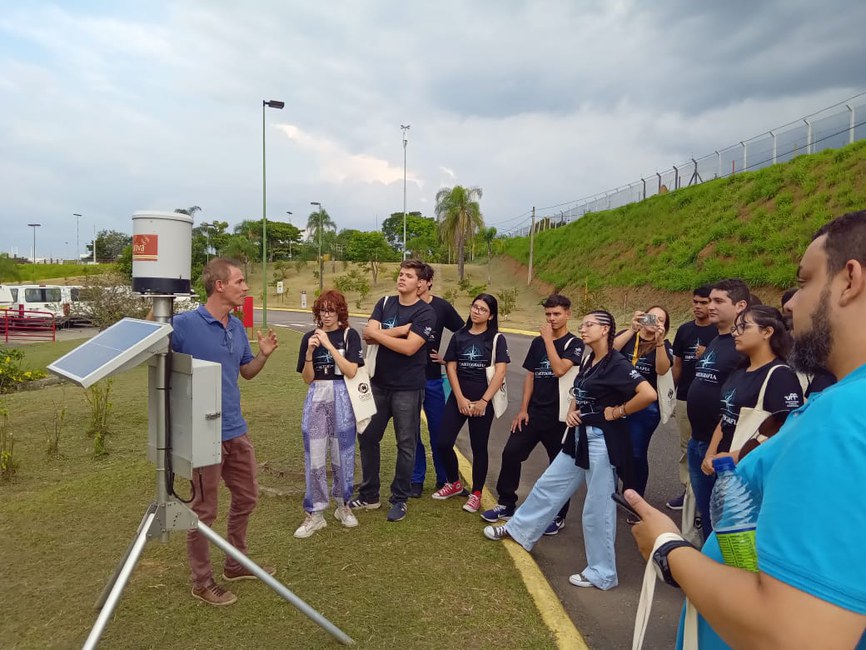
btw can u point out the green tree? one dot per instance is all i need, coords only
(327, 224)
(109, 245)
(240, 248)
(8, 269)
(369, 250)
(190, 211)
(459, 217)
(417, 225)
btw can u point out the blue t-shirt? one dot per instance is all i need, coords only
(808, 482)
(199, 334)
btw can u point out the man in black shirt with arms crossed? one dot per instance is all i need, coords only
(401, 325)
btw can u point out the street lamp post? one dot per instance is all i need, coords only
(34, 226)
(321, 261)
(273, 103)
(405, 128)
(289, 212)
(77, 241)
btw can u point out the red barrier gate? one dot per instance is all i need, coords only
(28, 325)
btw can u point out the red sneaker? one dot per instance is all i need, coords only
(473, 503)
(448, 490)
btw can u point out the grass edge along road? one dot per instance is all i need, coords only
(429, 581)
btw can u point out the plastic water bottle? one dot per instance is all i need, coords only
(734, 516)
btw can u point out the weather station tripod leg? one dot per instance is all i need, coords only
(257, 571)
(110, 584)
(120, 580)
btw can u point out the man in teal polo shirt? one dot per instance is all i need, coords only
(807, 480)
(213, 334)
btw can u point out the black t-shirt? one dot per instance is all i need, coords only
(324, 366)
(688, 337)
(395, 371)
(446, 317)
(545, 388)
(472, 353)
(820, 381)
(742, 389)
(646, 364)
(711, 371)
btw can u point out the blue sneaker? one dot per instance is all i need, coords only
(676, 503)
(499, 513)
(555, 526)
(397, 512)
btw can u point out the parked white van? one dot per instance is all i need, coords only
(46, 298)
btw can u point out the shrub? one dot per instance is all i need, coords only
(507, 302)
(100, 409)
(8, 462)
(11, 373)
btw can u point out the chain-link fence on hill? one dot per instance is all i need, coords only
(830, 128)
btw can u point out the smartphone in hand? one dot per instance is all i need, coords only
(623, 504)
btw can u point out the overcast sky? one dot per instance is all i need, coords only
(109, 107)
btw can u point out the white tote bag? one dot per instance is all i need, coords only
(500, 398)
(566, 386)
(751, 419)
(360, 393)
(373, 351)
(667, 395)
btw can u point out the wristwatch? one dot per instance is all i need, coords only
(660, 557)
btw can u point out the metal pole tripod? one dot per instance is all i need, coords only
(166, 515)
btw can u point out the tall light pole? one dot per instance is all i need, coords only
(405, 128)
(289, 212)
(94, 243)
(77, 242)
(321, 261)
(34, 226)
(273, 103)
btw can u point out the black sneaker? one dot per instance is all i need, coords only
(360, 504)
(416, 490)
(676, 503)
(397, 511)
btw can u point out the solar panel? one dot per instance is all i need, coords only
(122, 346)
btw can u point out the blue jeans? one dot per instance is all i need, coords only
(434, 406)
(641, 426)
(702, 485)
(555, 486)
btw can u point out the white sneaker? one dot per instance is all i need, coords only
(346, 516)
(312, 523)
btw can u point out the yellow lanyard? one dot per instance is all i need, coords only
(634, 356)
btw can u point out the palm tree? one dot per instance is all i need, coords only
(190, 211)
(313, 222)
(459, 217)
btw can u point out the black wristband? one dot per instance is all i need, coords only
(660, 557)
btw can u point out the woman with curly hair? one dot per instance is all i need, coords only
(327, 354)
(596, 446)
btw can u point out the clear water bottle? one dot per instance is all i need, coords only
(734, 516)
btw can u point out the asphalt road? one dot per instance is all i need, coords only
(606, 618)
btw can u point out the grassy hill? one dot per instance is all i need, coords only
(753, 226)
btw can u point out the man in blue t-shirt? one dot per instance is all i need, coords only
(810, 588)
(213, 334)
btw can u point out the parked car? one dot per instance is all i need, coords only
(33, 300)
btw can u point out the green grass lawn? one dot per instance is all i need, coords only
(430, 581)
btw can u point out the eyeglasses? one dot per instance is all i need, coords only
(327, 311)
(589, 323)
(478, 309)
(741, 327)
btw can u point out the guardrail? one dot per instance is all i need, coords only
(28, 325)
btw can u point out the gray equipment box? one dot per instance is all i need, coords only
(196, 413)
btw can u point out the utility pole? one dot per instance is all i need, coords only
(531, 246)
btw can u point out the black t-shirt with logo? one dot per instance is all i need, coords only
(395, 371)
(686, 341)
(742, 388)
(472, 353)
(645, 364)
(711, 371)
(446, 317)
(545, 388)
(324, 366)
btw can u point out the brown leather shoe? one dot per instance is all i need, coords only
(214, 595)
(243, 574)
